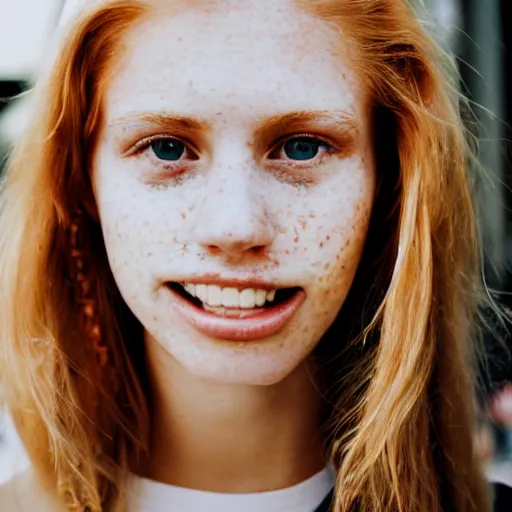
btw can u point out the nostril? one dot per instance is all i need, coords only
(258, 249)
(233, 247)
(214, 249)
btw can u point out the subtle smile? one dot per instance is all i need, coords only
(235, 313)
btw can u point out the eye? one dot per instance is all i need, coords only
(168, 149)
(300, 149)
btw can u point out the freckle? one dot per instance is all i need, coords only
(327, 266)
(183, 215)
(303, 223)
(155, 319)
(328, 237)
(149, 254)
(286, 251)
(321, 244)
(312, 215)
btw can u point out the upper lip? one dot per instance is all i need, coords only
(232, 282)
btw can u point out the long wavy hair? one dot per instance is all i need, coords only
(398, 361)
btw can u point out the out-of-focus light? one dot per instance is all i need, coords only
(25, 28)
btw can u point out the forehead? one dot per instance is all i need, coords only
(244, 55)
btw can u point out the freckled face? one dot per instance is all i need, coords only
(236, 145)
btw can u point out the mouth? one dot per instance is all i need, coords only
(232, 302)
(235, 314)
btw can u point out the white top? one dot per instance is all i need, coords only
(23, 493)
(148, 496)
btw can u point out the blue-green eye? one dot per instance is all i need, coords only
(169, 149)
(303, 148)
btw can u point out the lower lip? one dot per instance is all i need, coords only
(256, 327)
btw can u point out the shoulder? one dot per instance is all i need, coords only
(502, 498)
(23, 493)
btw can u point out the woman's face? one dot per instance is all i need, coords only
(236, 160)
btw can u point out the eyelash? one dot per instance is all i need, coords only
(322, 143)
(145, 144)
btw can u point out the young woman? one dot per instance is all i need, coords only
(239, 264)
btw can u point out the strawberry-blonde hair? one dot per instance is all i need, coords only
(398, 361)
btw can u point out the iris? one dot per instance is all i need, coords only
(168, 149)
(302, 148)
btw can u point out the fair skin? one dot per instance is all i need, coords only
(236, 152)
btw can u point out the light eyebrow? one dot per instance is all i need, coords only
(281, 122)
(168, 122)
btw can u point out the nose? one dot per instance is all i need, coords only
(234, 219)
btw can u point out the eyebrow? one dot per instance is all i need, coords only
(266, 126)
(331, 117)
(168, 122)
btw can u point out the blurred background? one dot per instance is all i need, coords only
(478, 32)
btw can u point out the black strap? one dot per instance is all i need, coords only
(325, 506)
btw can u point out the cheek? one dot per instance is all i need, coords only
(328, 241)
(120, 212)
(343, 247)
(127, 214)
(331, 229)
(131, 215)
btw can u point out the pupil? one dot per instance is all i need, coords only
(168, 149)
(301, 149)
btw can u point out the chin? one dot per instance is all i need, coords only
(263, 363)
(244, 375)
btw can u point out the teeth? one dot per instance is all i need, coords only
(261, 297)
(230, 297)
(215, 296)
(248, 298)
(201, 292)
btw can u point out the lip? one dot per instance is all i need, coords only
(256, 327)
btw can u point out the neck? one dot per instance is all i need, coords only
(228, 438)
